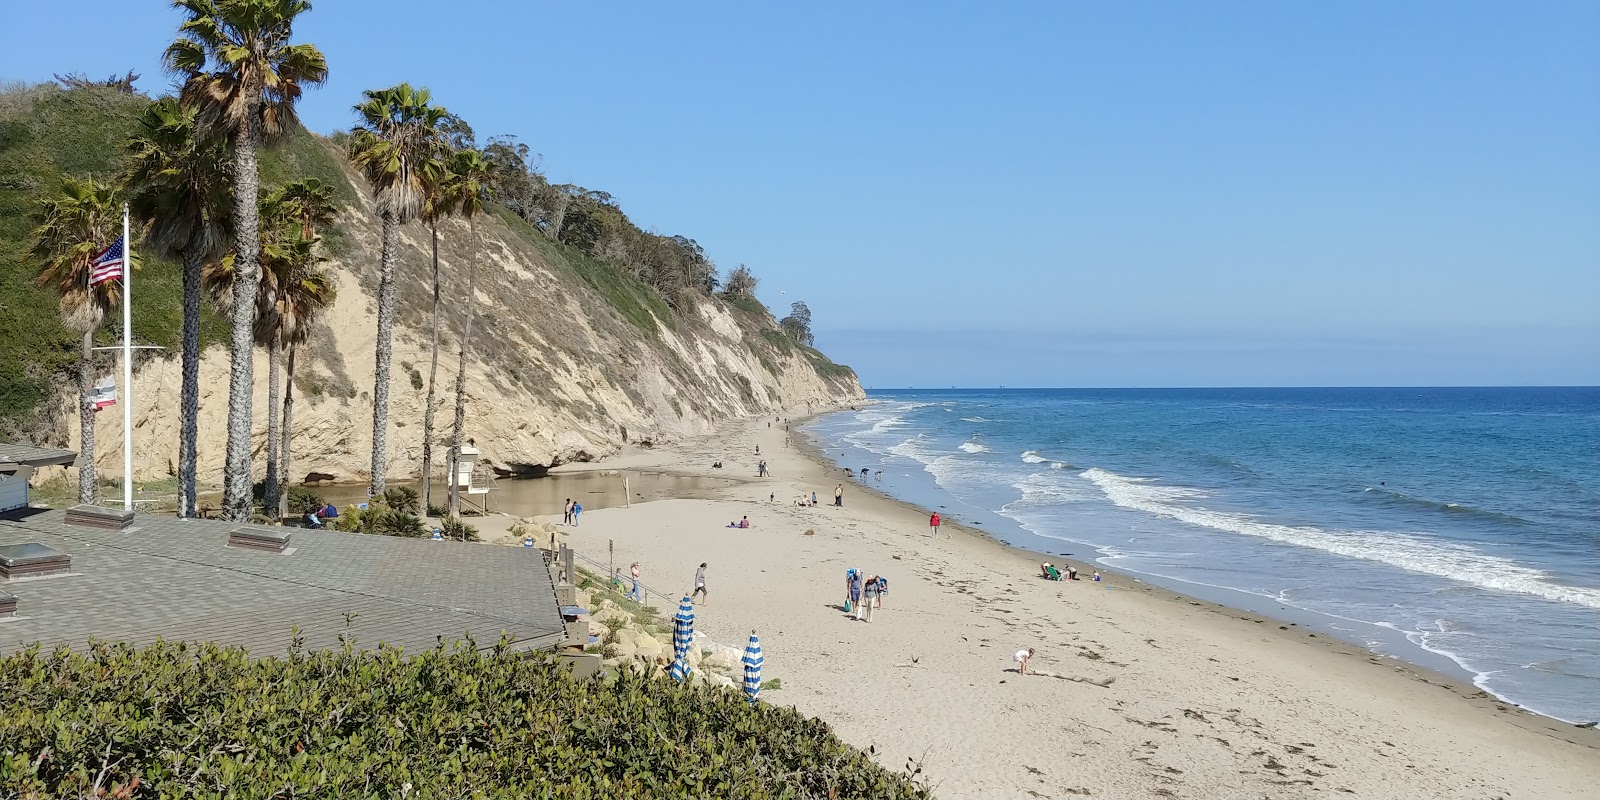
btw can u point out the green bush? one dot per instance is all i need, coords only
(394, 522)
(206, 721)
(303, 500)
(454, 529)
(403, 498)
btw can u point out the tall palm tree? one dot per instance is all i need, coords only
(398, 147)
(467, 188)
(295, 212)
(304, 293)
(181, 192)
(244, 76)
(434, 208)
(71, 229)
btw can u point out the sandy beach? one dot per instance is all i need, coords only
(1207, 702)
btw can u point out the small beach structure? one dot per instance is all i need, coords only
(17, 464)
(473, 487)
(253, 586)
(752, 668)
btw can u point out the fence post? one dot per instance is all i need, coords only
(611, 560)
(566, 559)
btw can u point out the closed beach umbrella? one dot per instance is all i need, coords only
(683, 629)
(679, 670)
(752, 668)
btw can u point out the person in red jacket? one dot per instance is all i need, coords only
(933, 525)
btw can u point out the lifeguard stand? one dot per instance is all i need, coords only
(472, 487)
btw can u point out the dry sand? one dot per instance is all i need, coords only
(1208, 702)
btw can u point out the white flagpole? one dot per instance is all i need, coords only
(127, 364)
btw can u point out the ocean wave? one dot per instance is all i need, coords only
(975, 419)
(1033, 457)
(973, 447)
(1387, 496)
(1046, 489)
(1409, 552)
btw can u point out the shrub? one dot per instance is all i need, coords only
(303, 500)
(394, 522)
(203, 720)
(403, 498)
(454, 529)
(438, 511)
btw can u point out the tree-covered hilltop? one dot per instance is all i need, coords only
(203, 721)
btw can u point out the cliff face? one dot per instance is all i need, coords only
(569, 360)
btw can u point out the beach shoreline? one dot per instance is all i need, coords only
(1359, 723)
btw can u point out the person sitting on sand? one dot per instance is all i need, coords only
(1097, 576)
(1050, 572)
(742, 523)
(1022, 657)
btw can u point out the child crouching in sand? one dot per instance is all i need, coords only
(1022, 657)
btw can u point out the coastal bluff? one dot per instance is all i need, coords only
(571, 357)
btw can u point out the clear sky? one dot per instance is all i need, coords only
(1045, 194)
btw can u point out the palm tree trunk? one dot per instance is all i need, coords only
(269, 497)
(458, 433)
(236, 501)
(189, 395)
(288, 432)
(433, 376)
(86, 471)
(380, 375)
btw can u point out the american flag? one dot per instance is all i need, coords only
(108, 265)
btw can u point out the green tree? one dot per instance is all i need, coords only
(244, 77)
(305, 292)
(398, 147)
(466, 190)
(180, 191)
(798, 324)
(71, 229)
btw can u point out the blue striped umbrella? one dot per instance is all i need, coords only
(679, 670)
(683, 629)
(752, 668)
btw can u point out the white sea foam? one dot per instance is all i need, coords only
(974, 419)
(1033, 457)
(972, 446)
(1058, 465)
(1411, 552)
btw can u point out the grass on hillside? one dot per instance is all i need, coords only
(635, 301)
(46, 133)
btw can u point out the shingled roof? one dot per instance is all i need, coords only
(179, 580)
(35, 456)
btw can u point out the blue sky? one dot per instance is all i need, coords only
(1056, 194)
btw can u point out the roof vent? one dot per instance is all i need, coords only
(114, 519)
(262, 539)
(8, 605)
(32, 560)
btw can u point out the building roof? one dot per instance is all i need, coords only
(35, 456)
(178, 580)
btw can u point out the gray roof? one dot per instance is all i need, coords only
(176, 579)
(35, 456)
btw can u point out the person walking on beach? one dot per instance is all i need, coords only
(883, 589)
(577, 509)
(1022, 657)
(566, 512)
(634, 594)
(933, 524)
(869, 598)
(852, 588)
(838, 495)
(699, 584)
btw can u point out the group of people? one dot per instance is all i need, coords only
(317, 515)
(864, 593)
(1054, 573)
(570, 512)
(761, 470)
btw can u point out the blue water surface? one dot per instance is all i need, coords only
(1457, 528)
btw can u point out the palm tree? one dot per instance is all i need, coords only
(470, 176)
(434, 208)
(180, 192)
(298, 289)
(398, 148)
(243, 76)
(71, 229)
(304, 293)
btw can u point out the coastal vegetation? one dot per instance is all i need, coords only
(235, 208)
(202, 720)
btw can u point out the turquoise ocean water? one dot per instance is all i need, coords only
(1454, 528)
